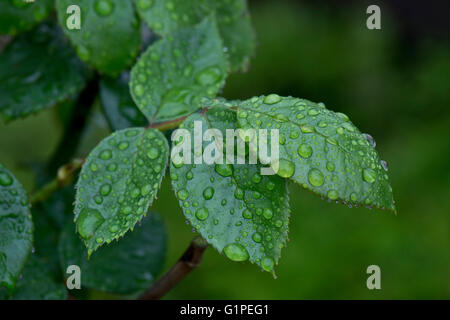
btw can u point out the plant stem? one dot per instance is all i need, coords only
(190, 260)
(63, 178)
(74, 129)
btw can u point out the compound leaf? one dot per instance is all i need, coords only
(321, 150)
(240, 212)
(19, 15)
(119, 108)
(175, 73)
(16, 229)
(109, 37)
(118, 183)
(38, 70)
(36, 283)
(123, 267)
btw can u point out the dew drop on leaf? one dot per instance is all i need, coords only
(236, 252)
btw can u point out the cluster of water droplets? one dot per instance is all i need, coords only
(321, 150)
(173, 61)
(118, 183)
(252, 209)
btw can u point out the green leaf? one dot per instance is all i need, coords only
(165, 17)
(240, 212)
(109, 37)
(322, 150)
(119, 108)
(49, 217)
(175, 73)
(236, 29)
(118, 183)
(16, 229)
(123, 267)
(18, 15)
(36, 283)
(38, 70)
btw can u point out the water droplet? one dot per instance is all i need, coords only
(183, 194)
(267, 264)
(239, 193)
(315, 177)
(330, 166)
(236, 252)
(139, 90)
(384, 164)
(153, 153)
(268, 213)
(208, 193)
(247, 214)
(272, 99)
(225, 170)
(332, 194)
(114, 228)
(202, 214)
(145, 4)
(305, 150)
(88, 221)
(313, 112)
(369, 175)
(286, 168)
(104, 7)
(208, 76)
(257, 237)
(370, 139)
(105, 189)
(105, 154)
(256, 178)
(123, 145)
(5, 179)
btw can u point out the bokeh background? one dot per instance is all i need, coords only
(393, 83)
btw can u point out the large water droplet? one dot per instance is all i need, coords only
(267, 264)
(153, 153)
(225, 170)
(236, 252)
(315, 177)
(257, 237)
(370, 139)
(208, 76)
(369, 175)
(272, 99)
(105, 189)
(5, 179)
(88, 221)
(286, 168)
(208, 193)
(202, 214)
(104, 7)
(305, 150)
(183, 194)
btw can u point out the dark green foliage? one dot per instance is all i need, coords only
(16, 229)
(38, 70)
(124, 267)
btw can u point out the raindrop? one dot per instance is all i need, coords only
(315, 177)
(236, 252)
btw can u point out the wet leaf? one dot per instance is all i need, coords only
(18, 15)
(118, 183)
(16, 229)
(165, 17)
(236, 29)
(124, 267)
(175, 73)
(322, 150)
(37, 283)
(119, 108)
(240, 212)
(38, 70)
(109, 37)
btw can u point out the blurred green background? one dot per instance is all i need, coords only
(394, 84)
